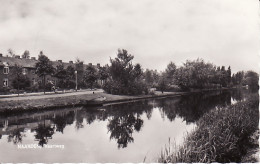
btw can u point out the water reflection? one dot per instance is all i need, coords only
(16, 135)
(43, 134)
(122, 127)
(123, 120)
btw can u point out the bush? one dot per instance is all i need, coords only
(33, 88)
(5, 90)
(48, 86)
(222, 135)
(70, 84)
(173, 88)
(134, 88)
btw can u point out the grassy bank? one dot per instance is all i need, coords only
(45, 102)
(222, 135)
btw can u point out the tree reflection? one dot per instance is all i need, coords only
(126, 118)
(60, 123)
(16, 136)
(43, 134)
(122, 127)
(167, 107)
(191, 107)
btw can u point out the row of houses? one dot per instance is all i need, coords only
(28, 68)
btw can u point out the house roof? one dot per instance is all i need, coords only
(30, 63)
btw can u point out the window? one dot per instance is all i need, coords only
(6, 70)
(24, 71)
(5, 83)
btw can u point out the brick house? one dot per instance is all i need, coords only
(28, 69)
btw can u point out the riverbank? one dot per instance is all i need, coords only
(222, 135)
(70, 100)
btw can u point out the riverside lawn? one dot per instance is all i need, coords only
(64, 100)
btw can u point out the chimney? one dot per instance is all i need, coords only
(17, 56)
(71, 62)
(1, 55)
(60, 61)
(90, 64)
(33, 58)
(98, 65)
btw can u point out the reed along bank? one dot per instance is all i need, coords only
(221, 135)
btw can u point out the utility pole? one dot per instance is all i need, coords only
(76, 81)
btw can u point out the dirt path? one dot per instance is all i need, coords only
(33, 96)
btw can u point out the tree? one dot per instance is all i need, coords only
(79, 67)
(229, 75)
(181, 77)
(162, 84)
(223, 78)
(20, 81)
(238, 78)
(61, 74)
(148, 76)
(44, 67)
(137, 72)
(70, 71)
(170, 70)
(103, 73)
(11, 52)
(26, 54)
(156, 77)
(194, 74)
(124, 76)
(70, 77)
(121, 67)
(90, 76)
(251, 79)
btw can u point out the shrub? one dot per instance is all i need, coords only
(134, 88)
(5, 90)
(48, 86)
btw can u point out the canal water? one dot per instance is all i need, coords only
(127, 132)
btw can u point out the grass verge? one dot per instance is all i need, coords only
(222, 135)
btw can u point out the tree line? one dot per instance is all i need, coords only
(123, 77)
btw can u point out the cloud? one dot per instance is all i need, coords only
(156, 32)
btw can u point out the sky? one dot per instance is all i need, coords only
(223, 32)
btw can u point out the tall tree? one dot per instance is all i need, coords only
(125, 77)
(137, 72)
(103, 73)
(70, 78)
(229, 75)
(162, 84)
(90, 76)
(20, 81)
(44, 67)
(61, 74)
(170, 70)
(223, 77)
(148, 77)
(79, 67)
